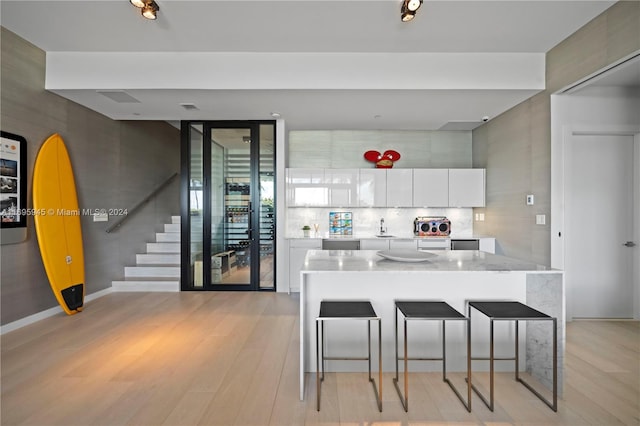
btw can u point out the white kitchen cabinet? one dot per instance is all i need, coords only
(298, 249)
(343, 187)
(377, 244)
(487, 244)
(399, 187)
(403, 244)
(434, 244)
(430, 187)
(307, 187)
(372, 188)
(466, 187)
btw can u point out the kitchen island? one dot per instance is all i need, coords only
(452, 276)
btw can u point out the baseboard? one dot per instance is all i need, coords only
(46, 314)
(146, 286)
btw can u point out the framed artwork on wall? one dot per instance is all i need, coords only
(13, 188)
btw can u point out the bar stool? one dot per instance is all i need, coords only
(348, 310)
(429, 311)
(514, 311)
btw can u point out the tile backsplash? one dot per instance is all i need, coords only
(366, 221)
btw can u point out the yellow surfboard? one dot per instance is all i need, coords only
(57, 219)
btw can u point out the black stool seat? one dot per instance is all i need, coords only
(346, 309)
(504, 310)
(427, 310)
(507, 310)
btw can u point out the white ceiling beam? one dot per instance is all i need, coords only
(295, 71)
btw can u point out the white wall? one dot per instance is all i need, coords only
(593, 110)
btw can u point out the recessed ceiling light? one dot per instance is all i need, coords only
(275, 114)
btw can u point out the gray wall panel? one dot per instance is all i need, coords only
(515, 147)
(115, 165)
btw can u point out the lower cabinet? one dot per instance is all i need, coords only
(297, 252)
(487, 244)
(378, 244)
(403, 244)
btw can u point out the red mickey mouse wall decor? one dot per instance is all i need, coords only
(383, 161)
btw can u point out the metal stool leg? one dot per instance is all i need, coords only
(376, 390)
(467, 403)
(490, 404)
(317, 368)
(354, 310)
(554, 403)
(469, 383)
(403, 399)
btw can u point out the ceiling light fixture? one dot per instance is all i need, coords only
(409, 9)
(148, 8)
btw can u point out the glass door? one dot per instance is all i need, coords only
(231, 222)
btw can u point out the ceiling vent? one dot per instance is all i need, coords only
(189, 107)
(119, 96)
(461, 125)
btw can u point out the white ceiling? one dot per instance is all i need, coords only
(303, 26)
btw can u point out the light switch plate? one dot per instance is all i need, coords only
(530, 200)
(541, 219)
(100, 217)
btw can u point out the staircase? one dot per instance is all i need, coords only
(159, 268)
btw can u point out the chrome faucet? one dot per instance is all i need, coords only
(382, 227)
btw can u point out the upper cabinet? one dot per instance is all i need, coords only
(399, 187)
(385, 187)
(372, 188)
(307, 187)
(430, 187)
(343, 187)
(466, 187)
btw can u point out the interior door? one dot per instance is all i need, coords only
(231, 217)
(599, 209)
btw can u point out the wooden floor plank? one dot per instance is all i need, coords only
(231, 358)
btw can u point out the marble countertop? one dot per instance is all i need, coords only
(441, 261)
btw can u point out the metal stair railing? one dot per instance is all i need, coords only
(144, 201)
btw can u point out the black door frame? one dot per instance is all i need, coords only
(254, 225)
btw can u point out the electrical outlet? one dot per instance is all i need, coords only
(541, 219)
(481, 217)
(530, 200)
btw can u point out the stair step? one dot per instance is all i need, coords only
(158, 284)
(168, 259)
(172, 227)
(152, 271)
(163, 248)
(168, 237)
(159, 268)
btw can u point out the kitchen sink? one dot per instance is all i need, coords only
(385, 236)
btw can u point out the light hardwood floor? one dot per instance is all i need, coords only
(230, 358)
